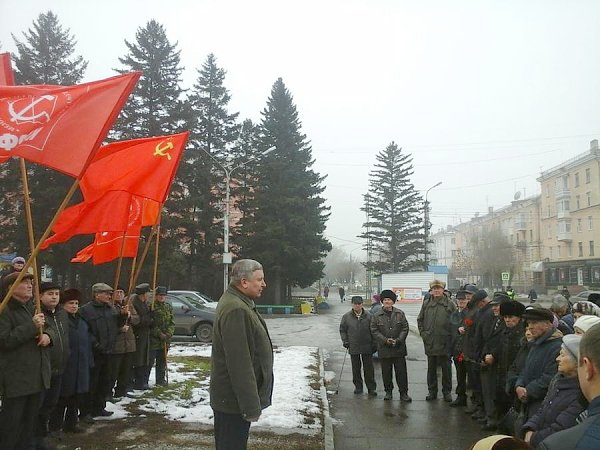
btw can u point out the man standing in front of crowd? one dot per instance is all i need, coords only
(102, 320)
(141, 319)
(458, 335)
(389, 328)
(436, 330)
(540, 366)
(355, 331)
(161, 334)
(24, 364)
(241, 380)
(586, 435)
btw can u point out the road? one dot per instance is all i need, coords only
(366, 423)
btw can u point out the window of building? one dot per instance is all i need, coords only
(588, 176)
(569, 250)
(577, 179)
(453, 241)
(580, 247)
(589, 198)
(578, 200)
(549, 232)
(548, 211)
(531, 235)
(590, 223)
(565, 182)
(454, 253)
(547, 190)
(558, 250)
(579, 225)
(591, 248)
(550, 252)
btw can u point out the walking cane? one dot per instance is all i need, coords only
(341, 372)
(166, 366)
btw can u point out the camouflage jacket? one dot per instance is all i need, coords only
(163, 325)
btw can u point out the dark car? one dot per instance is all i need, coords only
(192, 318)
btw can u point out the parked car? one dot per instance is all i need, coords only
(583, 295)
(192, 318)
(196, 297)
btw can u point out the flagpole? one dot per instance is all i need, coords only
(144, 253)
(36, 250)
(131, 277)
(120, 262)
(155, 271)
(29, 220)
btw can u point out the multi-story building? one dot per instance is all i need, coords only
(570, 220)
(443, 247)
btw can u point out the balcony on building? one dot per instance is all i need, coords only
(562, 192)
(521, 225)
(564, 236)
(563, 214)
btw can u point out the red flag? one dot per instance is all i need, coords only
(7, 76)
(144, 167)
(107, 247)
(61, 126)
(116, 211)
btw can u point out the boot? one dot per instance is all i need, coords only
(461, 400)
(388, 395)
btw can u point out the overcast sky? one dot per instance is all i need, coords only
(483, 94)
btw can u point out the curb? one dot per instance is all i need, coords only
(327, 422)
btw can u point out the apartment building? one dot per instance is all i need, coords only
(570, 221)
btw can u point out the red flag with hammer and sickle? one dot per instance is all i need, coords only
(61, 127)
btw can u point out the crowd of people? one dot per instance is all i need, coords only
(59, 366)
(532, 373)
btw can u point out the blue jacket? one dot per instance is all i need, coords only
(76, 377)
(585, 436)
(559, 410)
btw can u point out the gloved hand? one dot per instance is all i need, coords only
(346, 345)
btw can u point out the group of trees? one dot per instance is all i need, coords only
(282, 214)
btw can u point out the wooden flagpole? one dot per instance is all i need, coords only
(155, 271)
(119, 262)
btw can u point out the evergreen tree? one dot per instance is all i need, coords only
(157, 107)
(394, 228)
(285, 231)
(44, 56)
(200, 224)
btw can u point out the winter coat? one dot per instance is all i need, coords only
(164, 325)
(355, 332)
(393, 325)
(142, 322)
(468, 344)
(125, 340)
(484, 319)
(585, 436)
(456, 321)
(57, 327)
(102, 320)
(24, 366)
(434, 325)
(517, 366)
(507, 351)
(76, 377)
(540, 367)
(559, 410)
(241, 380)
(492, 331)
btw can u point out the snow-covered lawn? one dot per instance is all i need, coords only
(296, 404)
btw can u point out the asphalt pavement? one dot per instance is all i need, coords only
(362, 422)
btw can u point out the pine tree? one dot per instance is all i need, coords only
(45, 56)
(285, 231)
(394, 230)
(213, 130)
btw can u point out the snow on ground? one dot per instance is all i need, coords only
(293, 397)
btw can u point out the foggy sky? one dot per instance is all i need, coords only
(484, 95)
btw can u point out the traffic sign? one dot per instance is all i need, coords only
(505, 276)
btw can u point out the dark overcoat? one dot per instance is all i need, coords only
(356, 332)
(435, 326)
(76, 377)
(385, 325)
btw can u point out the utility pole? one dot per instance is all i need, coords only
(426, 226)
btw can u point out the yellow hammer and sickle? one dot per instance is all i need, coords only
(162, 151)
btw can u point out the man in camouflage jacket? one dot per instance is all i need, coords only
(161, 333)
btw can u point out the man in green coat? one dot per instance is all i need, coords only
(161, 333)
(241, 380)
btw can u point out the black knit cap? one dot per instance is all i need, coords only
(386, 293)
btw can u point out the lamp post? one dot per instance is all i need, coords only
(228, 170)
(426, 214)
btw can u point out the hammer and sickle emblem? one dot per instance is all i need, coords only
(161, 149)
(35, 110)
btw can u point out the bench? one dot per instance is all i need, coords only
(285, 309)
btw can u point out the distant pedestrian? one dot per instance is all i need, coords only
(355, 331)
(532, 296)
(565, 292)
(436, 330)
(389, 328)
(16, 265)
(326, 292)
(241, 379)
(510, 292)
(342, 293)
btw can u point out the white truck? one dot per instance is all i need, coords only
(410, 286)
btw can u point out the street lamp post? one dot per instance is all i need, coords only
(228, 171)
(426, 214)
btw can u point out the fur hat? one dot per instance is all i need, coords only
(437, 283)
(386, 293)
(161, 290)
(586, 322)
(48, 286)
(70, 294)
(357, 300)
(538, 314)
(143, 288)
(512, 308)
(18, 259)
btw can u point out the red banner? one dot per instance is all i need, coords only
(61, 126)
(7, 76)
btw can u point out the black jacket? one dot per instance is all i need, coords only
(393, 325)
(57, 327)
(102, 320)
(356, 333)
